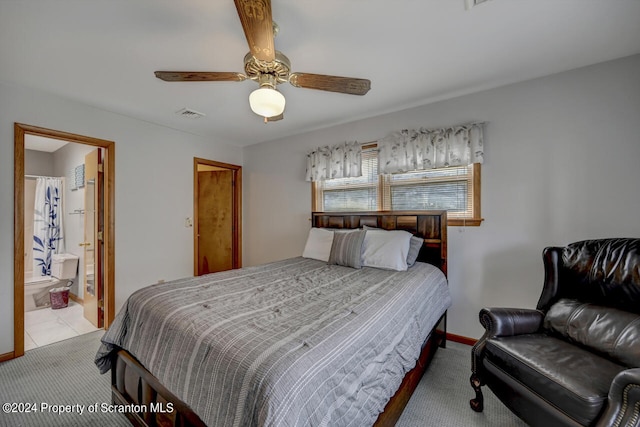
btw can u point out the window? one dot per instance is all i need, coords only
(454, 189)
(351, 194)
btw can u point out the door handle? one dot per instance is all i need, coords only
(84, 244)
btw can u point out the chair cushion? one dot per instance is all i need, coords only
(571, 378)
(611, 332)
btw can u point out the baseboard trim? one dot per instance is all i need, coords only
(7, 356)
(461, 339)
(75, 298)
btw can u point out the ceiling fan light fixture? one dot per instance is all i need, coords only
(267, 102)
(269, 67)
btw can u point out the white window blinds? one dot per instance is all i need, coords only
(449, 189)
(351, 194)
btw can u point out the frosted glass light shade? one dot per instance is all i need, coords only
(266, 102)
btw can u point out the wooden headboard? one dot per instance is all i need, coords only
(429, 225)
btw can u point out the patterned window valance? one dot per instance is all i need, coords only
(410, 150)
(338, 161)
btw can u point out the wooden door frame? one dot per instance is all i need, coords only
(237, 209)
(20, 130)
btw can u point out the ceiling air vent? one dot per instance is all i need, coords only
(468, 4)
(189, 113)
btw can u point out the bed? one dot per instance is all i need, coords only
(293, 342)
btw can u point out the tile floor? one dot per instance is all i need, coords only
(46, 326)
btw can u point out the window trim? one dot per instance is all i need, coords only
(475, 221)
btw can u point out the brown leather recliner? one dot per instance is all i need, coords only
(575, 360)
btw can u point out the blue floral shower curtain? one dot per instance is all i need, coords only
(48, 237)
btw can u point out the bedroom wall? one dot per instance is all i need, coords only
(154, 190)
(561, 164)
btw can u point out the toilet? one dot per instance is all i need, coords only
(36, 289)
(64, 266)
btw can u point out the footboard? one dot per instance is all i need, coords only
(147, 402)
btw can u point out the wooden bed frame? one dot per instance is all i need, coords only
(151, 404)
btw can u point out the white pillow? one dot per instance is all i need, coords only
(318, 245)
(386, 249)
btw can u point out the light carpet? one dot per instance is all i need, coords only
(61, 377)
(443, 394)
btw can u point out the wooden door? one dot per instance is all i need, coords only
(215, 221)
(93, 189)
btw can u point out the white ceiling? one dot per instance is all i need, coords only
(40, 143)
(103, 53)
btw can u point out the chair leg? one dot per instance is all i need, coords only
(477, 404)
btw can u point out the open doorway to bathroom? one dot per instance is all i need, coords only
(63, 236)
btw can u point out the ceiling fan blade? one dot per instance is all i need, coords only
(255, 16)
(199, 76)
(349, 85)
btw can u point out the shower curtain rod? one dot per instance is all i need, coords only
(42, 176)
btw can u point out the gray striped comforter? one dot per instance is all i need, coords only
(291, 343)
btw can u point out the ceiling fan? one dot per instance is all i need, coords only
(267, 66)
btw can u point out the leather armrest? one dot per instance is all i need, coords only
(623, 402)
(501, 322)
